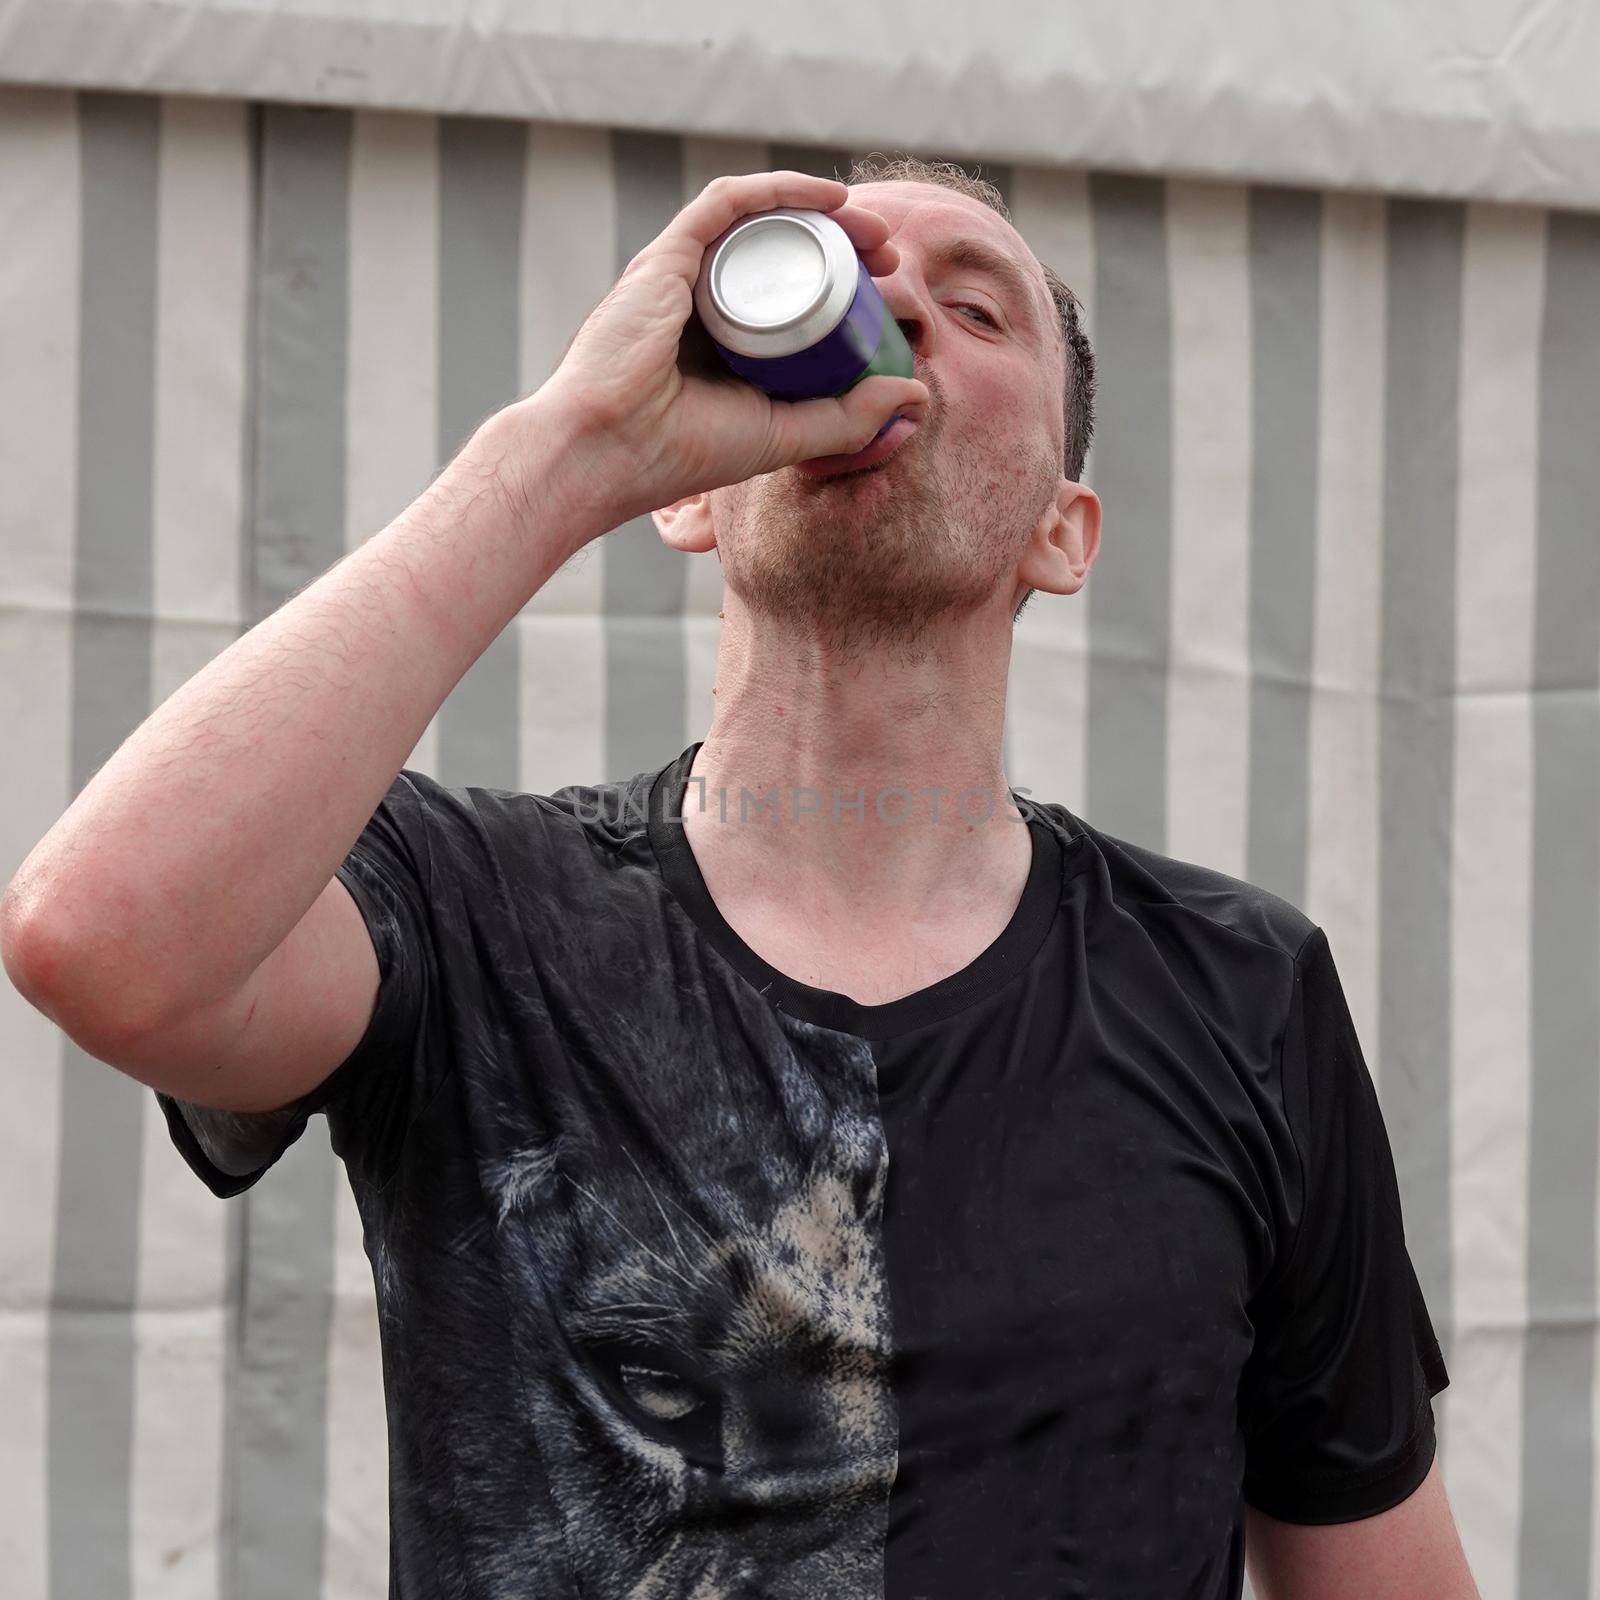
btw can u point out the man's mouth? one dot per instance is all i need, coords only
(894, 433)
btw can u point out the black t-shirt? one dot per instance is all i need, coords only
(693, 1279)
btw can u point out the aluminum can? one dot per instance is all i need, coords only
(792, 308)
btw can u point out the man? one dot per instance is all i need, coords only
(806, 1168)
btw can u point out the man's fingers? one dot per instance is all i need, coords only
(848, 422)
(866, 229)
(882, 261)
(724, 200)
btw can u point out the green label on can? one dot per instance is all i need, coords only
(892, 358)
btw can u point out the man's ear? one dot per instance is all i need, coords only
(1064, 541)
(686, 524)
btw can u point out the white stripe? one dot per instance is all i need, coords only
(391, 431)
(39, 222)
(1047, 709)
(203, 261)
(1342, 852)
(1502, 301)
(1342, 864)
(39, 288)
(392, 385)
(356, 1508)
(176, 1469)
(569, 231)
(1208, 743)
(202, 293)
(392, 378)
(557, 688)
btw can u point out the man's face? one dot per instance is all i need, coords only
(938, 527)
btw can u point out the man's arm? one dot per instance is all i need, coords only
(182, 920)
(1407, 1552)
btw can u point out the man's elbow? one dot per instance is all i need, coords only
(62, 970)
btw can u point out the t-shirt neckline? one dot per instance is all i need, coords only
(1007, 956)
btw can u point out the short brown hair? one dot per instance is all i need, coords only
(1078, 401)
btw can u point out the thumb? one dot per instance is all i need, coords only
(843, 424)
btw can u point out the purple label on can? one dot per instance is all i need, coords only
(829, 366)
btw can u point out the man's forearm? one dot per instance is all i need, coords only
(192, 853)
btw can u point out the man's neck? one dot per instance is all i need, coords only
(873, 790)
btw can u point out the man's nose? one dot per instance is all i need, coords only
(907, 306)
(915, 327)
(907, 309)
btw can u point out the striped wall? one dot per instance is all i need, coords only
(1343, 640)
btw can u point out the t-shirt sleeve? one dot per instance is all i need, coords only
(371, 1096)
(1336, 1400)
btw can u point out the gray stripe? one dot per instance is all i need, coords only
(644, 585)
(1130, 598)
(1001, 175)
(276, 1468)
(1285, 319)
(1416, 705)
(1558, 1397)
(236, 1235)
(996, 172)
(817, 161)
(481, 167)
(91, 1354)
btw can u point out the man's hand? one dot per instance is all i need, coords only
(655, 415)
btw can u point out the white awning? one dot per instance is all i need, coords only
(1492, 99)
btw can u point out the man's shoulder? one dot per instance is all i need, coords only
(1149, 884)
(615, 808)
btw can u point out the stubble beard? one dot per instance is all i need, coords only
(864, 559)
